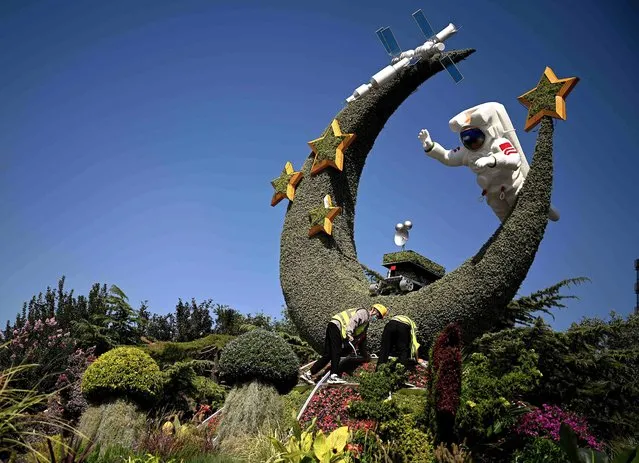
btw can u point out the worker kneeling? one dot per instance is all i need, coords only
(347, 327)
(399, 338)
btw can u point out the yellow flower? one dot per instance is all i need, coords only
(471, 404)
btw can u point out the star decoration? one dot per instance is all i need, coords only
(322, 217)
(285, 184)
(329, 148)
(548, 98)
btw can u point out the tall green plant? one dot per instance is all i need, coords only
(17, 416)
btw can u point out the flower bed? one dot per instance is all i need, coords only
(330, 406)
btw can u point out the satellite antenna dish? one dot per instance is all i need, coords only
(401, 233)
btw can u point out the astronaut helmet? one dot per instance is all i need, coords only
(479, 126)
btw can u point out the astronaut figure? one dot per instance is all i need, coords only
(492, 151)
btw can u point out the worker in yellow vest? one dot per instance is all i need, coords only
(400, 337)
(349, 326)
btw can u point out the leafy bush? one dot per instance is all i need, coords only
(330, 407)
(209, 392)
(305, 353)
(178, 388)
(406, 443)
(259, 356)
(539, 450)
(375, 388)
(490, 392)
(115, 424)
(591, 369)
(124, 372)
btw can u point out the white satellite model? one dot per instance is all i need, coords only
(433, 47)
(401, 233)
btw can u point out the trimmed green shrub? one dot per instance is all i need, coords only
(261, 356)
(125, 372)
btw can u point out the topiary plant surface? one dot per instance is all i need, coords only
(262, 356)
(321, 276)
(124, 372)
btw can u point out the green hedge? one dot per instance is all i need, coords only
(169, 352)
(125, 372)
(262, 356)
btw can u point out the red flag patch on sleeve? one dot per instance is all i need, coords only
(507, 148)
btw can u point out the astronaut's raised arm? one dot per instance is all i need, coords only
(505, 154)
(453, 158)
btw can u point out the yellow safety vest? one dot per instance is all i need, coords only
(344, 318)
(414, 347)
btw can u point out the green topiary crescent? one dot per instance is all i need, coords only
(321, 277)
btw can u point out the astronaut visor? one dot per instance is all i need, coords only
(472, 138)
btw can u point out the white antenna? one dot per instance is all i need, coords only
(401, 233)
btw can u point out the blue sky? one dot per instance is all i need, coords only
(138, 141)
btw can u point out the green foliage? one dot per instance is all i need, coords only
(209, 392)
(123, 372)
(262, 356)
(412, 256)
(249, 410)
(453, 454)
(311, 446)
(17, 419)
(406, 443)
(489, 392)
(305, 353)
(590, 369)
(114, 424)
(170, 352)
(540, 450)
(520, 310)
(375, 388)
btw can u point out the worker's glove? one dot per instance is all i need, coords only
(487, 161)
(350, 338)
(424, 137)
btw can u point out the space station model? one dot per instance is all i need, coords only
(432, 48)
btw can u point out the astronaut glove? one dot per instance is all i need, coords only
(487, 161)
(424, 137)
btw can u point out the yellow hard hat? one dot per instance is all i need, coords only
(381, 309)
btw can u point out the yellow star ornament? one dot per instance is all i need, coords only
(548, 98)
(329, 148)
(285, 184)
(321, 218)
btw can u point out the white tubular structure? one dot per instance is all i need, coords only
(432, 46)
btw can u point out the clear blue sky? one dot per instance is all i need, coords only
(138, 140)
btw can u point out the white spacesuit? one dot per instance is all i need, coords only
(492, 151)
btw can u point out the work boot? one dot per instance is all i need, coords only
(334, 379)
(307, 377)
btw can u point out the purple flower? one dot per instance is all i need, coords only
(546, 422)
